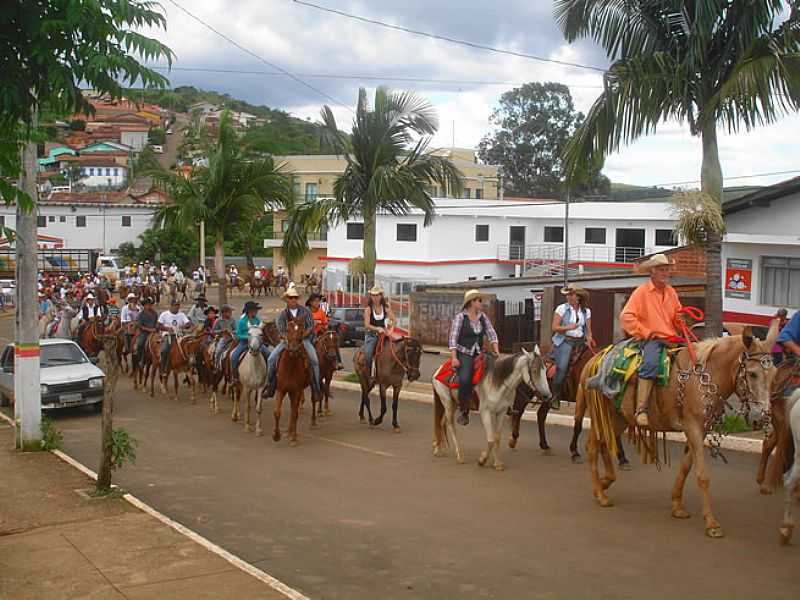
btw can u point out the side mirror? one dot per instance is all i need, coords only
(95, 360)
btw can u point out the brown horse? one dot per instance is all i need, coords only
(394, 359)
(327, 347)
(294, 375)
(693, 402)
(89, 337)
(181, 360)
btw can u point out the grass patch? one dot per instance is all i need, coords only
(732, 424)
(352, 377)
(52, 438)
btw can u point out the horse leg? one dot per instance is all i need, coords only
(245, 398)
(610, 474)
(276, 433)
(577, 428)
(395, 405)
(258, 401)
(694, 435)
(541, 419)
(175, 381)
(766, 450)
(315, 400)
(382, 394)
(791, 481)
(488, 427)
(328, 411)
(597, 488)
(297, 399)
(680, 481)
(235, 400)
(498, 420)
(622, 460)
(516, 420)
(450, 426)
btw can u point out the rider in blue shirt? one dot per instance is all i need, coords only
(248, 319)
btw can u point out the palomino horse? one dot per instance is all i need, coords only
(791, 480)
(327, 347)
(495, 393)
(294, 375)
(252, 376)
(692, 403)
(394, 359)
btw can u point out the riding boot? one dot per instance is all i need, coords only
(269, 390)
(555, 399)
(643, 391)
(463, 406)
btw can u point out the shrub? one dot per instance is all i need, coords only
(52, 438)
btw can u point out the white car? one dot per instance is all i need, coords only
(68, 376)
(169, 131)
(158, 149)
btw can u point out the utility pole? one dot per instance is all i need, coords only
(27, 391)
(203, 244)
(566, 240)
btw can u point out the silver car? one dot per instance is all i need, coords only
(68, 377)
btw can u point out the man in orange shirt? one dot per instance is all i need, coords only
(649, 316)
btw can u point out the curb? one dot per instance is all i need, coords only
(729, 442)
(237, 562)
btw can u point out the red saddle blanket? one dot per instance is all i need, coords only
(447, 375)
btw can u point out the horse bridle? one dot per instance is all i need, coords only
(404, 364)
(742, 385)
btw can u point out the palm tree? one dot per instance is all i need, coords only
(711, 63)
(389, 169)
(229, 193)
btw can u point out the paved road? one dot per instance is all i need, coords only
(359, 513)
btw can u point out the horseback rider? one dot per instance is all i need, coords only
(467, 332)
(128, 317)
(572, 328)
(293, 312)
(197, 314)
(146, 323)
(649, 317)
(378, 320)
(170, 324)
(90, 310)
(321, 323)
(248, 319)
(223, 330)
(211, 318)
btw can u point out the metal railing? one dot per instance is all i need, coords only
(313, 236)
(588, 253)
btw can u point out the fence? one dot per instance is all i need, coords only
(516, 324)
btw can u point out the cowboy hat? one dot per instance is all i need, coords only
(200, 298)
(291, 292)
(657, 260)
(147, 301)
(225, 307)
(90, 296)
(131, 295)
(376, 290)
(575, 289)
(470, 295)
(251, 305)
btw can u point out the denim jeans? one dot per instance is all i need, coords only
(561, 355)
(370, 343)
(166, 346)
(651, 356)
(240, 349)
(275, 355)
(464, 373)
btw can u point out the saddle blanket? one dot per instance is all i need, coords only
(447, 375)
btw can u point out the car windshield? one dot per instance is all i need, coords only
(55, 355)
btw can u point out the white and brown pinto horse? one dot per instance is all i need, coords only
(495, 393)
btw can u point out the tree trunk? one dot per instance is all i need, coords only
(369, 246)
(111, 359)
(247, 246)
(219, 267)
(711, 184)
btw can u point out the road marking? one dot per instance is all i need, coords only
(353, 446)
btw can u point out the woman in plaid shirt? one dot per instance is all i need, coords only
(469, 328)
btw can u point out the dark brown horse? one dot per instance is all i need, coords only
(89, 337)
(327, 347)
(394, 359)
(294, 375)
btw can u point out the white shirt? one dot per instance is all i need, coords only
(129, 314)
(574, 315)
(294, 312)
(92, 311)
(175, 322)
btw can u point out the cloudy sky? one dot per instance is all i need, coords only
(311, 43)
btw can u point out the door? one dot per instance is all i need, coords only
(7, 374)
(516, 242)
(630, 245)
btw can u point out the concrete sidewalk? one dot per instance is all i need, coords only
(56, 544)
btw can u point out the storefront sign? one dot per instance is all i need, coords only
(739, 278)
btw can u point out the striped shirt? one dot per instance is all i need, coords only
(455, 331)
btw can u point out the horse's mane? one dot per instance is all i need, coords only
(500, 368)
(705, 347)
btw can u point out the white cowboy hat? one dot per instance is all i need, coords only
(575, 289)
(291, 292)
(90, 296)
(657, 260)
(470, 295)
(376, 290)
(129, 296)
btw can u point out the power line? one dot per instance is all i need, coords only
(260, 58)
(358, 77)
(752, 176)
(445, 38)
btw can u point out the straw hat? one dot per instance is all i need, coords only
(470, 295)
(575, 289)
(131, 295)
(291, 292)
(376, 290)
(657, 260)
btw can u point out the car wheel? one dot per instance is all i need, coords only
(97, 407)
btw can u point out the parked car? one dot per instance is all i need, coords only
(158, 149)
(68, 377)
(349, 322)
(169, 131)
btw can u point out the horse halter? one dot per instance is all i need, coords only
(742, 384)
(405, 363)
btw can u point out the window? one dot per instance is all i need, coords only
(355, 231)
(41, 221)
(108, 172)
(478, 194)
(51, 219)
(595, 235)
(62, 219)
(467, 193)
(554, 234)
(780, 281)
(126, 221)
(311, 191)
(80, 221)
(2, 221)
(481, 233)
(406, 232)
(296, 189)
(116, 171)
(284, 225)
(91, 171)
(666, 237)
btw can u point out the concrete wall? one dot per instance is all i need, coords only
(433, 312)
(135, 139)
(103, 176)
(780, 217)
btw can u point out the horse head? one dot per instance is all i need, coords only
(412, 355)
(330, 344)
(755, 372)
(294, 337)
(271, 331)
(254, 335)
(535, 372)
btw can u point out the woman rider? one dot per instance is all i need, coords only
(467, 332)
(378, 319)
(572, 327)
(248, 319)
(321, 322)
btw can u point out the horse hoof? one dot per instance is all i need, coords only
(626, 466)
(499, 467)
(259, 433)
(786, 534)
(512, 442)
(547, 451)
(276, 436)
(397, 429)
(482, 461)
(292, 443)
(328, 413)
(577, 459)
(248, 429)
(314, 426)
(714, 532)
(605, 502)
(765, 490)
(460, 460)
(362, 420)
(377, 421)
(680, 514)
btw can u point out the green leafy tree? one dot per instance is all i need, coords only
(534, 123)
(171, 244)
(705, 64)
(389, 168)
(230, 192)
(50, 48)
(158, 136)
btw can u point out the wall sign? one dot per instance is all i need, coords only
(739, 278)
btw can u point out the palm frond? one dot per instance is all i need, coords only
(697, 215)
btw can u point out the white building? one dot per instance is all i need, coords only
(500, 238)
(95, 221)
(761, 253)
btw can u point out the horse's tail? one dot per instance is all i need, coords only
(439, 434)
